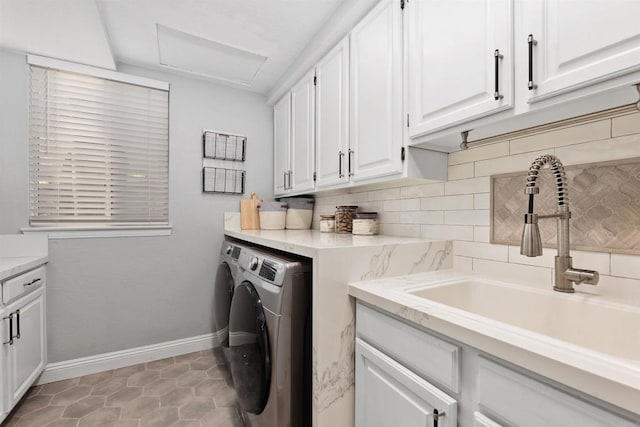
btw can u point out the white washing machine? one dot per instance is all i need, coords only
(269, 339)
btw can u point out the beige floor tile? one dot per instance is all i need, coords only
(103, 417)
(142, 378)
(84, 407)
(59, 386)
(123, 396)
(191, 378)
(197, 408)
(177, 397)
(71, 395)
(159, 387)
(109, 386)
(31, 404)
(140, 407)
(160, 364)
(160, 418)
(175, 370)
(127, 371)
(41, 417)
(96, 378)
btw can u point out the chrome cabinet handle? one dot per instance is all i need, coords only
(340, 158)
(497, 57)
(17, 324)
(289, 175)
(284, 180)
(33, 282)
(10, 317)
(532, 42)
(350, 155)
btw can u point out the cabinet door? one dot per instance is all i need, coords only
(579, 42)
(302, 134)
(388, 394)
(332, 116)
(26, 357)
(452, 61)
(282, 144)
(376, 93)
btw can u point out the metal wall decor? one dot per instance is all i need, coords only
(221, 152)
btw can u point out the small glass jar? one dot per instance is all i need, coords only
(344, 218)
(365, 223)
(327, 223)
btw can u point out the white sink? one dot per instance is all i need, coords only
(608, 328)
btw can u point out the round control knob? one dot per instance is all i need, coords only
(253, 264)
(228, 250)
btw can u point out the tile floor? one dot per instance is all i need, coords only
(192, 390)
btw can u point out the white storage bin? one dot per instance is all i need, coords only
(300, 212)
(273, 215)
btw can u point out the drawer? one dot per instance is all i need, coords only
(22, 284)
(426, 355)
(520, 400)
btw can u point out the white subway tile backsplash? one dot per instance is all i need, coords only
(481, 250)
(461, 171)
(538, 277)
(424, 190)
(386, 194)
(481, 234)
(625, 266)
(520, 162)
(401, 205)
(422, 217)
(482, 201)
(464, 201)
(447, 232)
(625, 125)
(622, 147)
(557, 138)
(401, 230)
(598, 261)
(479, 153)
(468, 186)
(388, 217)
(357, 197)
(463, 264)
(467, 217)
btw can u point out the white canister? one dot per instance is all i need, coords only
(365, 223)
(327, 223)
(273, 215)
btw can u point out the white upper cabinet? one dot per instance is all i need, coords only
(578, 43)
(282, 144)
(332, 116)
(460, 61)
(376, 116)
(302, 134)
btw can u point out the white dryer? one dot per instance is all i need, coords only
(269, 339)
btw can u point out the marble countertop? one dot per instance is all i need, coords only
(11, 266)
(613, 379)
(308, 242)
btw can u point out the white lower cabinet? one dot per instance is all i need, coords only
(23, 333)
(387, 393)
(404, 373)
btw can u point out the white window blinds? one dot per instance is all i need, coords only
(99, 151)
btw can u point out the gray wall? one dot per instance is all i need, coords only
(108, 294)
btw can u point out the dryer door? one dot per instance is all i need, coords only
(249, 349)
(222, 295)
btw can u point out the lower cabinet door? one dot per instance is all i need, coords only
(26, 357)
(389, 394)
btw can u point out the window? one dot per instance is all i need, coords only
(98, 152)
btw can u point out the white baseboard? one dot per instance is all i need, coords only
(119, 359)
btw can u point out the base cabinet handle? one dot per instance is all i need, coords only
(10, 317)
(497, 57)
(436, 416)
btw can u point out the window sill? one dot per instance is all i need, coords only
(101, 232)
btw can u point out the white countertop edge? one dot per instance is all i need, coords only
(589, 371)
(12, 266)
(309, 242)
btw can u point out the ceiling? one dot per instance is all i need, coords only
(242, 43)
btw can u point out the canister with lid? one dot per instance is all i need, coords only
(327, 223)
(365, 223)
(344, 218)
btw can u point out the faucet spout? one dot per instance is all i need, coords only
(531, 244)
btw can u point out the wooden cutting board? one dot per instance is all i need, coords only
(249, 217)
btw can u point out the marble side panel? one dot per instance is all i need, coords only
(333, 311)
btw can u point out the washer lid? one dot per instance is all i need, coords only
(250, 357)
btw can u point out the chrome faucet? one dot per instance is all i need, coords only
(565, 275)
